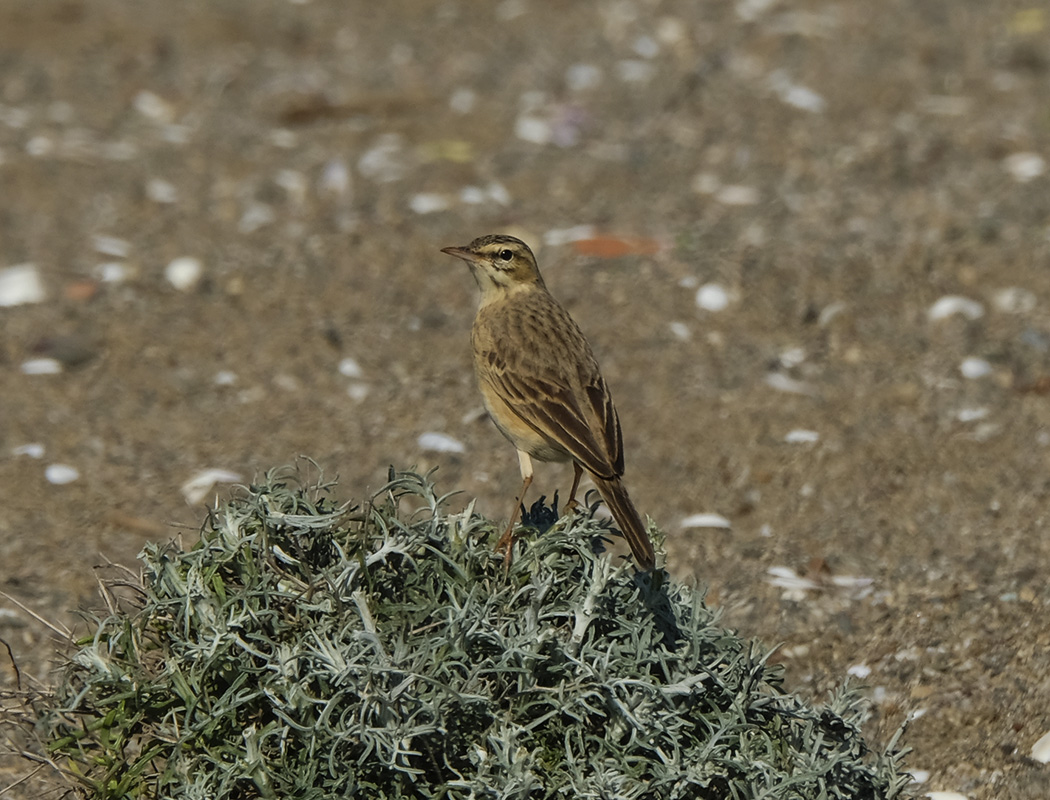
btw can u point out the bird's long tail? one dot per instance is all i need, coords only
(626, 515)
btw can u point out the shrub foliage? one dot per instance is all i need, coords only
(309, 649)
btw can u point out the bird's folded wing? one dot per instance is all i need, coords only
(583, 422)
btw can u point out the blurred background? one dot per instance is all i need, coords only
(809, 242)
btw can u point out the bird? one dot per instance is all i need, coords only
(541, 384)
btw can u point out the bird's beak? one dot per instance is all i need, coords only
(460, 252)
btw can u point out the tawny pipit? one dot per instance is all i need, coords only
(541, 384)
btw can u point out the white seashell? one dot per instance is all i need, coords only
(800, 436)
(1041, 749)
(735, 195)
(680, 331)
(1024, 166)
(294, 184)
(153, 107)
(61, 474)
(559, 236)
(712, 297)
(472, 195)
(358, 391)
(861, 671)
(428, 203)
(384, 161)
(33, 450)
(255, 216)
(41, 366)
(161, 191)
(112, 272)
(946, 796)
(580, 77)
(184, 272)
(706, 183)
(1014, 300)
(350, 368)
(335, 178)
(954, 304)
(498, 193)
(463, 100)
(974, 368)
(795, 586)
(440, 443)
(200, 485)
(646, 47)
(785, 383)
(110, 246)
(40, 147)
(794, 94)
(750, 10)
(971, 414)
(705, 521)
(21, 284)
(530, 128)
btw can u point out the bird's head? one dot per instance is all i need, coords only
(500, 264)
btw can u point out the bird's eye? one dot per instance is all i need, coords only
(506, 254)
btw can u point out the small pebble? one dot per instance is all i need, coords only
(21, 284)
(41, 366)
(712, 297)
(1014, 300)
(634, 70)
(801, 436)
(646, 47)
(472, 195)
(61, 474)
(708, 520)
(184, 273)
(224, 378)
(440, 443)
(33, 450)
(463, 100)
(861, 671)
(350, 368)
(946, 796)
(954, 304)
(1024, 166)
(974, 368)
(919, 775)
(971, 414)
(200, 485)
(734, 195)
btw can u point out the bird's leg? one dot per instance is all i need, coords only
(506, 541)
(571, 503)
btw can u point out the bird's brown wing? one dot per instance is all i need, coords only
(559, 392)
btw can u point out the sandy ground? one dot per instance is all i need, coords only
(828, 170)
